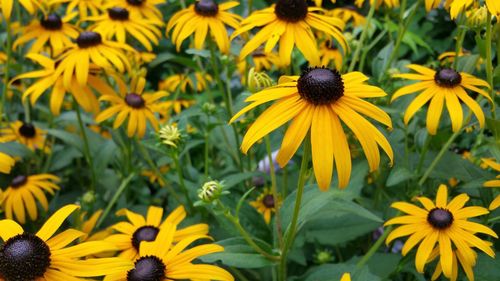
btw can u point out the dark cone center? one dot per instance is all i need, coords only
(52, 22)
(88, 39)
(18, 181)
(134, 100)
(291, 10)
(145, 233)
(118, 13)
(136, 2)
(268, 201)
(24, 257)
(207, 8)
(148, 268)
(320, 86)
(447, 77)
(440, 218)
(27, 130)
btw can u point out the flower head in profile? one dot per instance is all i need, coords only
(145, 8)
(6, 163)
(318, 102)
(265, 204)
(442, 224)
(24, 133)
(491, 163)
(132, 103)
(331, 55)
(290, 23)
(347, 14)
(261, 61)
(139, 228)
(201, 18)
(442, 87)
(195, 82)
(162, 260)
(47, 256)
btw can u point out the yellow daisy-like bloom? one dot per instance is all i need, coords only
(449, 58)
(442, 87)
(490, 162)
(50, 29)
(348, 13)
(261, 61)
(6, 6)
(457, 6)
(432, 4)
(494, 8)
(346, 277)
(199, 83)
(117, 23)
(48, 78)
(331, 54)
(144, 8)
(21, 194)
(388, 3)
(48, 257)
(200, 18)
(24, 133)
(177, 105)
(318, 101)
(153, 176)
(290, 22)
(90, 48)
(140, 229)
(164, 260)
(265, 204)
(137, 106)
(85, 7)
(6, 164)
(443, 225)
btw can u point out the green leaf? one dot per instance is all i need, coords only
(68, 138)
(382, 264)
(398, 175)
(487, 268)
(235, 179)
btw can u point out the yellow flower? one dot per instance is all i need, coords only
(201, 17)
(162, 260)
(346, 277)
(348, 13)
(494, 8)
(449, 58)
(49, 257)
(88, 226)
(177, 104)
(153, 176)
(490, 162)
(457, 6)
(144, 8)
(6, 163)
(265, 204)
(442, 87)
(172, 83)
(317, 102)
(50, 29)
(133, 103)
(24, 133)
(117, 23)
(261, 61)
(6, 7)
(170, 135)
(440, 225)
(432, 4)
(140, 229)
(467, 267)
(290, 23)
(388, 3)
(84, 7)
(330, 53)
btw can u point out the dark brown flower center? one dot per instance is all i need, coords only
(440, 218)
(447, 77)
(136, 2)
(207, 8)
(291, 10)
(27, 130)
(134, 100)
(18, 181)
(52, 22)
(118, 13)
(145, 233)
(268, 201)
(24, 257)
(88, 39)
(148, 268)
(320, 86)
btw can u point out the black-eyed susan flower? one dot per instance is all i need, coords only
(90, 48)
(196, 82)
(48, 78)
(347, 14)
(132, 103)
(291, 23)
(265, 204)
(177, 105)
(84, 7)
(144, 8)
(20, 195)
(494, 8)
(442, 224)
(49, 30)
(49, 257)
(318, 102)
(6, 163)
(491, 163)
(457, 6)
(260, 61)
(118, 23)
(24, 133)
(203, 17)
(140, 229)
(7, 5)
(330, 55)
(163, 260)
(442, 87)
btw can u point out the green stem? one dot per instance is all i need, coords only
(86, 146)
(291, 231)
(274, 190)
(206, 153)
(113, 200)
(182, 183)
(489, 63)
(367, 49)
(423, 153)
(8, 52)
(364, 33)
(374, 248)
(460, 39)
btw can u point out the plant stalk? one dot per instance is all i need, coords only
(362, 38)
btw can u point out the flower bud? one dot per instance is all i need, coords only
(170, 135)
(211, 191)
(258, 80)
